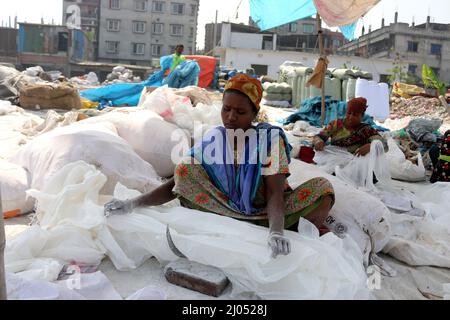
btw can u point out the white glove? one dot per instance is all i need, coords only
(118, 207)
(279, 244)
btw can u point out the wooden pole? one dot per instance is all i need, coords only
(322, 54)
(2, 250)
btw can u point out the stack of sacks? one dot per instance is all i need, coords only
(348, 78)
(277, 94)
(49, 96)
(332, 89)
(121, 74)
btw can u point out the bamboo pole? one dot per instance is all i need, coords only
(322, 54)
(2, 249)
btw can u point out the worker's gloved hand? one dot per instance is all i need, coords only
(279, 244)
(118, 207)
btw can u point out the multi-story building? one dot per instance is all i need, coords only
(88, 13)
(300, 35)
(413, 45)
(138, 31)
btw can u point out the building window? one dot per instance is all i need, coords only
(158, 28)
(292, 27)
(177, 8)
(172, 49)
(193, 10)
(139, 26)
(114, 4)
(156, 50)
(158, 6)
(190, 50)
(191, 33)
(112, 46)
(308, 28)
(412, 46)
(140, 5)
(436, 71)
(336, 43)
(113, 25)
(412, 68)
(138, 48)
(176, 30)
(436, 49)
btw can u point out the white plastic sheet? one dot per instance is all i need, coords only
(325, 268)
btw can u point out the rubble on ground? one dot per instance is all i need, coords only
(419, 107)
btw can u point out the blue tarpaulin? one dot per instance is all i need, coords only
(128, 94)
(311, 109)
(270, 14)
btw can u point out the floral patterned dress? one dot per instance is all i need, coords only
(441, 172)
(351, 140)
(195, 190)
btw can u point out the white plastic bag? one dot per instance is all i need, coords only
(402, 169)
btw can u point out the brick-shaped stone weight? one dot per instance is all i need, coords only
(198, 277)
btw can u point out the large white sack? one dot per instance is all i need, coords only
(152, 138)
(317, 268)
(12, 121)
(96, 144)
(355, 212)
(402, 169)
(14, 182)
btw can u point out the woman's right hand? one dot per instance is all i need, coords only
(319, 145)
(118, 207)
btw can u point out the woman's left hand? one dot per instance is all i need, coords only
(362, 151)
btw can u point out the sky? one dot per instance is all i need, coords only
(439, 10)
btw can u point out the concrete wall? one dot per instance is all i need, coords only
(126, 36)
(246, 41)
(244, 58)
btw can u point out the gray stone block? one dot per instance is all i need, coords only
(198, 277)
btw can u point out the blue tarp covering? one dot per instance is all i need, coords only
(270, 14)
(311, 110)
(185, 74)
(120, 94)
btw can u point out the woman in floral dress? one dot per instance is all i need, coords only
(245, 177)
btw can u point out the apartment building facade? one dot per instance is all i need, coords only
(414, 45)
(138, 31)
